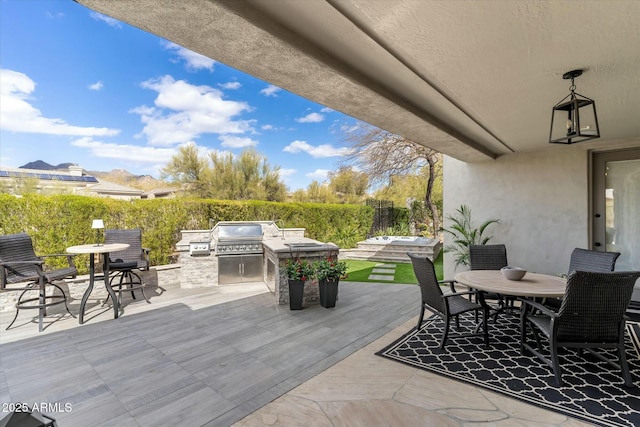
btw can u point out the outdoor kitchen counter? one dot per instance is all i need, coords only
(295, 245)
(203, 268)
(278, 250)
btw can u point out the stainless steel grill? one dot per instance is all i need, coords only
(238, 238)
(240, 253)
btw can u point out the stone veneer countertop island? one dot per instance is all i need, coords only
(278, 244)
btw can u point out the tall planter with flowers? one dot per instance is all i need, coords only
(298, 272)
(329, 271)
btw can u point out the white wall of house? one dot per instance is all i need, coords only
(541, 199)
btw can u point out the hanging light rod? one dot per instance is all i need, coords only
(573, 120)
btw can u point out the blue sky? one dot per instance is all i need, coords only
(79, 87)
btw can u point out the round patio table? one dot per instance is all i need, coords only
(92, 250)
(532, 285)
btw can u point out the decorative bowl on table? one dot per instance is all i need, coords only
(513, 273)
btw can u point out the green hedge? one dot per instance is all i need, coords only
(56, 222)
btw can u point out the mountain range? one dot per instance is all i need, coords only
(118, 176)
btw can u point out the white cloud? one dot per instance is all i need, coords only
(349, 129)
(326, 110)
(96, 86)
(56, 15)
(311, 118)
(319, 174)
(183, 112)
(125, 152)
(272, 127)
(18, 115)
(194, 61)
(230, 85)
(106, 19)
(324, 150)
(237, 141)
(270, 90)
(287, 172)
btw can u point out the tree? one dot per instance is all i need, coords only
(246, 177)
(350, 185)
(382, 155)
(188, 167)
(315, 193)
(225, 176)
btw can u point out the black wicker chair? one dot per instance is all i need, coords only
(446, 306)
(591, 317)
(587, 260)
(491, 257)
(123, 263)
(22, 270)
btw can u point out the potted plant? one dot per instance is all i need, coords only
(465, 234)
(329, 271)
(298, 271)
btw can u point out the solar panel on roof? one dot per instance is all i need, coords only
(48, 176)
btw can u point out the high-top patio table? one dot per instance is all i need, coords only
(92, 250)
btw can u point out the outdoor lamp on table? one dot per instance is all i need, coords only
(98, 224)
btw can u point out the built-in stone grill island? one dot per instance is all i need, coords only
(233, 253)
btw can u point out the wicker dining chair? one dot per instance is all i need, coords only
(587, 260)
(22, 270)
(491, 257)
(446, 306)
(592, 316)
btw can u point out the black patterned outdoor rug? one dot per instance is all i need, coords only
(593, 391)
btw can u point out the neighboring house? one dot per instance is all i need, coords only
(109, 189)
(161, 193)
(75, 181)
(475, 80)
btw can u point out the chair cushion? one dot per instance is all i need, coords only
(123, 265)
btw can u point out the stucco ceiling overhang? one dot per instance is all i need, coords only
(472, 79)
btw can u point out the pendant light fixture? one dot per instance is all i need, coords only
(574, 118)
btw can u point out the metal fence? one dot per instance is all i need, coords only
(383, 215)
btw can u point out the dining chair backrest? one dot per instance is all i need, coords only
(428, 281)
(587, 260)
(487, 257)
(133, 237)
(594, 306)
(17, 248)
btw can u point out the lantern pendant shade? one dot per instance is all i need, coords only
(574, 118)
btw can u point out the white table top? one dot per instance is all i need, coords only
(531, 285)
(95, 249)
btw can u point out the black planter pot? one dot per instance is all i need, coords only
(296, 291)
(328, 292)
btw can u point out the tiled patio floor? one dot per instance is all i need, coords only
(230, 355)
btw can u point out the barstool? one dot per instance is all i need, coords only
(135, 257)
(128, 278)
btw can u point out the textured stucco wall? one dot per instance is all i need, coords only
(541, 198)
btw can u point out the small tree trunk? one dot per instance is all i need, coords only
(433, 209)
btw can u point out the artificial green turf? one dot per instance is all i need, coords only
(359, 271)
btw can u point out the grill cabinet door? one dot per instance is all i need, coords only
(252, 269)
(229, 269)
